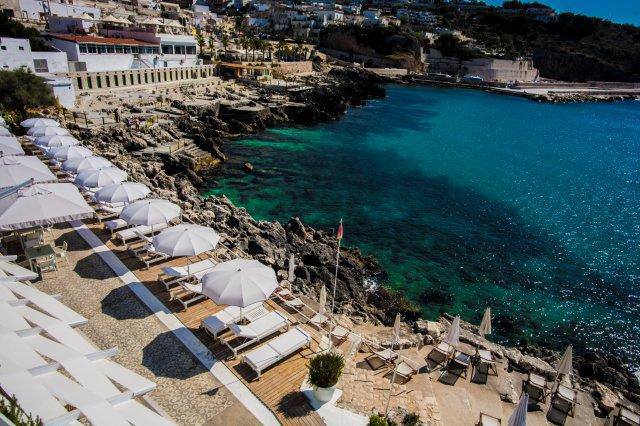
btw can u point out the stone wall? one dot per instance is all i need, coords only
(292, 68)
(500, 70)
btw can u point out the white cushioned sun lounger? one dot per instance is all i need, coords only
(114, 225)
(175, 274)
(219, 322)
(318, 320)
(255, 331)
(261, 358)
(128, 234)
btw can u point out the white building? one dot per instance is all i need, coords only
(37, 10)
(16, 53)
(328, 17)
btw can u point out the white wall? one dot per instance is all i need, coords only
(15, 53)
(56, 61)
(63, 90)
(32, 9)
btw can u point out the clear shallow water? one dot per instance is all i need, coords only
(471, 200)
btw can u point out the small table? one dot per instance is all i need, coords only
(37, 252)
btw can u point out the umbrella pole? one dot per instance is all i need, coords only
(393, 379)
(335, 284)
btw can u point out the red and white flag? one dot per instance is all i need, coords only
(340, 231)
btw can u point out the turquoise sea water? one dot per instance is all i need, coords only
(470, 200)
(621, 11)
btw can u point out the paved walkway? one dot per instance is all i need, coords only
(187, 390)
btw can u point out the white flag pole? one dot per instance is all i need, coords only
(335, 283)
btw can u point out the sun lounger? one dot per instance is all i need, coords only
(537, 387)
(246, 335)
(190, 293)
(220, 321)
(172, 275)
(488, 420)
(340, 333)
(459, 364)
(114, 225)
(405, 370)
(626, 417)
(105, 211)
(128, 234)
(295, 303)
(263, 357)
(318, 320)
(485, 357)
(441, 353)
(147, 254)
(381, 358)
(565, 399)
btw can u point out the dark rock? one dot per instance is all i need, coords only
(247, 167)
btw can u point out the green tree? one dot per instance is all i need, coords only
(200, 41)
(225, 44)
(12, 28)
(21, 90)
(212, 41)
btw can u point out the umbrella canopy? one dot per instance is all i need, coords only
(150, 212)
(485, 324)
(9, 271)
(80, 164)
(42, 205)
(39, 121)
(186, 240)
(17, 169)
(124, 192)
(239, 282)
(9, 145)
(98, 178)
(322, 300)
(4, 131)
(565, 365)
(64, 153)
(56, 141)
(519, 416)
(453, 336)
(47, 131)
(85, 16)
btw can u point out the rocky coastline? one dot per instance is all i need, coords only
(360, 294)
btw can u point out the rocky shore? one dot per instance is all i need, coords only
(359, 294)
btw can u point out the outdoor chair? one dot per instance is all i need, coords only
(441, 353)
(318, 320)
(47, 264)
(105, 211)
(537, 387)
(459, 364)
(488, 420)
(115, 225)
(277, 349)
(173, 275)
(246, 335)
(219, 322)
(379, 359)
(626, 417)
(62, 252)
(565, 399)
(405, 370)
(485, 358)
(147, 254)
(340, 333)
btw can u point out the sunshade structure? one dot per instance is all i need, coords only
(16, 169)
(239, 282)
(4, 131)
(292, 268)
(124, 192)
(80, 164)
(9, 271)
(322, 300)
(102, 177)
(39, 131)
(519, 416)
(485, 324)
(38, 122)
(42, 205)
(453, 336)
(186, 240)
(85, 16)
(565, 365)
(153, 211)
(56, 141)
(64, 153)
(9, 145)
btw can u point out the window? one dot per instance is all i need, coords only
(134, 49)
(119, 49)
(83, 48)
(79, 83)
(108, 80)
(167, 49)
(3, 47)
(102, 48)
(191, 50)
(127, 49)
(131, 79)
(92, 48)
(40, 65)
(179, 50)
(20, 47)
(111, 49)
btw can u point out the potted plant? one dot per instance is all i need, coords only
(324, 372)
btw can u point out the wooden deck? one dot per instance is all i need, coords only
(279, 386)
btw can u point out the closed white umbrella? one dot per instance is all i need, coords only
(99, 178)
(150, 212)
(42, 205)
(9, 145)
(453, 336)
(39, 121)
(565, 365)
(292, 267)
(10, 271)
(239, 282)
(64, 153)
(322, 300)
(40, 131)
(4, 131)
(186, 240)
(80, 164)
(485, 324)
(124, 192)
(55, 141)
(17, 169)
(519, 415)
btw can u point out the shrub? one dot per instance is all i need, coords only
(411, 419)
(11, 410)
(377, 420)
(325, 370)
(21, 90)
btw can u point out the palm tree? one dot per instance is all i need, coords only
(280, 49)
(305, 53)
(212, 41)
(254, 44)
(225, 43)
(200, 41)
(244, 43)
(270, 50)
